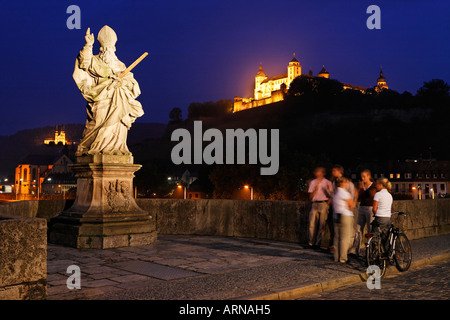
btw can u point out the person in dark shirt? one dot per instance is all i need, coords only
(366, 193)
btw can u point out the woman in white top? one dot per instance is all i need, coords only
(343, 205)
(382, 204)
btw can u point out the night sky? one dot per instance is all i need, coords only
(201, 50)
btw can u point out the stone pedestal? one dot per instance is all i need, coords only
(105, 213)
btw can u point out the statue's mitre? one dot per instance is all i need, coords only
(107, 37)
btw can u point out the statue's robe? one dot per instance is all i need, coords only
(110, 110)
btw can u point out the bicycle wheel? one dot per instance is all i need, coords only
(403, 253)
(373, 255)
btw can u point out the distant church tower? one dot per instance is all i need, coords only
(381, 82)
(294, 69)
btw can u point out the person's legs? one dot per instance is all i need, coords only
(364, 214)
(359, 230)
(384, 223)
(370, 218)
(313, 220)
(330, 222)
(323, 214)
(336, 239)
(346, 226)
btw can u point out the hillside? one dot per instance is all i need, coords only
(17, 146)
(366, 135)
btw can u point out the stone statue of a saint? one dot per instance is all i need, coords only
(111, 101)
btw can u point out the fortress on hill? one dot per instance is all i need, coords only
(270, 90)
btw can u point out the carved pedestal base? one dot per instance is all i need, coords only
(105, 214)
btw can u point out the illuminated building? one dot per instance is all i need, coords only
(270, 90)
(35, 169)
(381, 82)
(59, 138)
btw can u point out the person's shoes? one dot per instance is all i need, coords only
(331, 249)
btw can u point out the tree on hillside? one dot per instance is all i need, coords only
(435, 88)
(321, 87)
(175, 115)
(210, 109)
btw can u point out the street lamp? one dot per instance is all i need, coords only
(413, 189)
(251, 191)
(184, 190)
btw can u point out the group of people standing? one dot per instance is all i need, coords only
(341, 196)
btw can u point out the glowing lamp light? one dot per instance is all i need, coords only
(246, 187)
(179, 186)
(414, 188)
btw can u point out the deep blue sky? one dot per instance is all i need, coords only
(201, 50)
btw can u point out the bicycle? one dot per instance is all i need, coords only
(396, 248)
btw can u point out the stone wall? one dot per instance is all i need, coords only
(34, 208)
(23, 258)
(278, 220)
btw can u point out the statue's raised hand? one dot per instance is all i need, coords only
(89, 37)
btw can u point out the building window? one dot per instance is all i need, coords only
(398, 176)
(408, 175)
(196, 195)
(396, 187)
(25, 174)
(442, 175)
(442, 186)
(391, 176)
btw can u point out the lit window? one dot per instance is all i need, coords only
(398, 176)
(391, 176)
